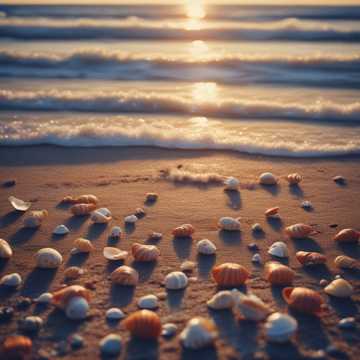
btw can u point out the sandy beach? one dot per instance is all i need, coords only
(121, 177)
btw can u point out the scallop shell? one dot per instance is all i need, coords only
(206, 247)
(294, 179)
(176, 280)
(339, 288)
(346, 262)
(303, 300)
(44, 298)
(229, 224)
(142, 252)
(5, 249)
(101, 216)
(114, 314)
(16, 347)
(35, 218)
(125, 275)
(251, 306)
(115, 232)
(310, 258)
(19, 204)
(82, 209)
(232, 184)
(280, 327)
(272, 211)
(184, 230)
(279, 249)
(278, 274)
(198, 333)
(347, 236)
(148, 302)
(77, 308)
(131, 219)
(82, 245)
(82, 199)
(113, 253)
(144, 324)
(221, 300)
(73, 272)
(62, 297)
(230, 274)
(48, 258)
(299, 231)
(11, 280)
(267, 178)
(61, 230)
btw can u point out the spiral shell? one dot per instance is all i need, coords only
(294, 179)
(62, 297)
(279, 249)
(231, 184)
(221, 300)
(82, 245)
(5, 250)
(347, 236)
(176, 280)
(48, 258)
(16, 347)
(19, 204)
(125, 275)
(82, 199)
(229, 224)
(184, 230)
(114, 254)
(230, 274)
(346, 262)
(101, 216)
(82, 209)
(299, 231)
(339, 288)
(267, 178)
(73, 272)
(272, 211)
(206, 247)
(303, 300)
(280, 327)
(142, 252)
(198, 333)
(310, 258)
(35, 218)
(278, 274)
(143, 324)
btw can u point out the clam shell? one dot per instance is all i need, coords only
(148, 302)
(229, 224)
(44, 298)
(82, 245)
(303, 300)
(115, 232)
(82, 199)
(279, 249)
(114, 314)
(346, 262)
(310, 258)
(278, 274)
(35, 218)
(5, 249)
(299, 231)
(184, 230)
(145, 253)
(19, 204)
(232, 184)
(101, 216)
(144, 324)
(280, 327)
(125, 275)
(176, 280)
(267, 178)
(61, 230)
(294, 179)
(62, 297)
(11, 280)
(339, 288)
(16, 347)
(77, 308)
(222, 300)
(82, 209)
(111, 345)
(198, 333)
(206, 247)
(230, 274)
(131, 219)
(73, 272)
(347, 236)
(272, 211)
(113, 253)
(48, 258)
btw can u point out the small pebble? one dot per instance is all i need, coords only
(253, 247)
(30, 324)
(151, 197)
(9, 183)
(347, 323)
(139, 213)
(110, 345)
(307, 205)
(256, 258)
(193, 279)
(155, 236)
(323, 282)
(6, 313)
(337, 276)
(76, 341)
(114, 314)
(169, 330)
(23, 303)
(161, 296)
(339, 179)
(44, 298)
(187, 266)
(257, 228)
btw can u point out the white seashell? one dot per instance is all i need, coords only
(256, 258)
(77, 308)
(48, 258)
(131, 219)
(148, 302)
(280, 327)
(198, 333)
(176, 280)
(232, 184)
(11, 280)
(5, 249)
(169, 330)
(61, 230)
(279, 249)
(101, 216)
(267, 178)
(228, 223)
(114, 314)
(115, 232)
(221, 300)
(257, 228)
(44, 298)
(206, 247)
(113, 253)
(306, 204)
(110, 345)
(19, 204)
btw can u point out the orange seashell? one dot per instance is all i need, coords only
(16, 347)
(310, 258)
(142, 252)
(299, 231)
(272, 211)
(278, 274)
(82, 209)
(346, 262)
(61, 297)
(347, 236)
(73, 272)
(125, 275)
(303, 300)
(144, 324)
(83, 245)
(82, 199)
(183, 230)
(294, 178)
(230, 274)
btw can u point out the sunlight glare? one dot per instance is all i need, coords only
(195, 9)
(198, 49)
(205, 92)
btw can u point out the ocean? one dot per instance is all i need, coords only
(268, 80)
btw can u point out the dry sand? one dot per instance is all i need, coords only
(120, 178)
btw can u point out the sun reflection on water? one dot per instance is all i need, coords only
(205, 92)
(195, 9)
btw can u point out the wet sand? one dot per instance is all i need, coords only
(121, 177)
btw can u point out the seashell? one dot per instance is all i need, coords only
(339, 288)
(101, 216)
(176, 280)
(125, 275)
(114, 314)
(11, 280)
(299, 231)
(221, 300)
(187, 266)
(339, 179)
(82, 199)
(251, 306)
(347, 236)
(131, 219)
(256, 258)
(142, 252)
(307, 205)
(111, 345)
(184, 230)
(44, 298)
(115, 232)
(154, 236)
(230, 274)
(61, 230)
(346, 262)
(16, 347)
(139, 213)
(279, 249)
(82, 209)
(73, 272)
(143, 324)
(267, 178)
(113, 253)
(229, 224)
(148, 302)
(232, 184)
(169, 330)
(294, 179)
(198, 333)
(310, 258)
(35, 218)
(278, 274)
(303, 300)
(272, 211)
(77, 308)
(48, 258)
(62, 297)
(5, 250)
(19, 204)
(280, 327)
(151, 197)
(257, 228)
(82, 245)
(206, 247)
